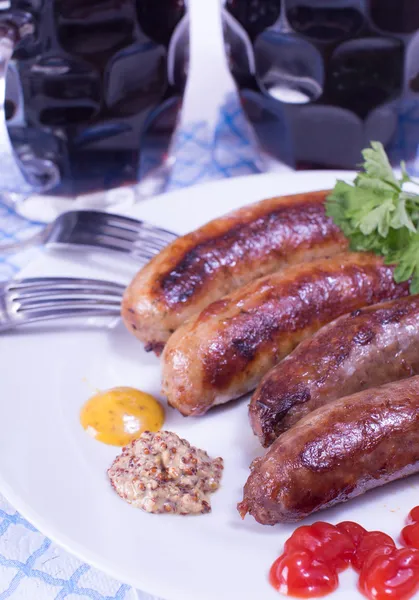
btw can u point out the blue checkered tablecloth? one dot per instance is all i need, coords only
(31, 566)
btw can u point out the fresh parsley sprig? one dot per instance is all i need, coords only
(376, 214)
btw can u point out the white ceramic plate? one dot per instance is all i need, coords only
(55, 474)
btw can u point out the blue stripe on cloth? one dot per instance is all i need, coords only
(68, 586)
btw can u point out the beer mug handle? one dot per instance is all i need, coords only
(19, 175)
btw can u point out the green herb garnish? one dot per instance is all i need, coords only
(377, 215)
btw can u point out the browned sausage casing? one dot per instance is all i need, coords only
(221, 256)
(335, 453)
(224, 352)
(364, 349)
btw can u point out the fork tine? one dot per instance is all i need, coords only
(105, 229)
(43, 295)
(43, 292)
(43, 298)
(146, 250)
(34, 306)
(94, 217)
(142, 256)
(65, 312)
(121, 227)
(125, 223)
(98, 229)
(27, 281)
(149, 243)
(120, 236)
(111, 232)
(89, 238)
(36, 285)
(162, 235)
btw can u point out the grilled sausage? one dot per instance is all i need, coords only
(364, 349)
(336, 453)
(224, 352)
(221, 256)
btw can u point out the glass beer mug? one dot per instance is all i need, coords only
(336, 72)
(84, 87)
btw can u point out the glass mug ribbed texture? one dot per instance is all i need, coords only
(363, 54)
(94, 87)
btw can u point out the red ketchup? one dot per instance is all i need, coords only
(315, 554)
(410, 534)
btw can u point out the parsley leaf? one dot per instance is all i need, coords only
(377, 215)
(407, 260)
(401, 216)
(379, 218)
(376, 164)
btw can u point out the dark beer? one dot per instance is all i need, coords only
(362, 45)
(94, 80)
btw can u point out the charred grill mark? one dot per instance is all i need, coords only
(299, 225)
(396, 315)
(387, 315)
(271, 415)
(309, 301)
(363, 337)
(156, 347)
(244, 348)
(343, 353)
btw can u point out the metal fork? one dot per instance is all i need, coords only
(25, 301)
(96, 229)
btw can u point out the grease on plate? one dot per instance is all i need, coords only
(121, 414)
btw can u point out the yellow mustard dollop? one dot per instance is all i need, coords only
(120, 415)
